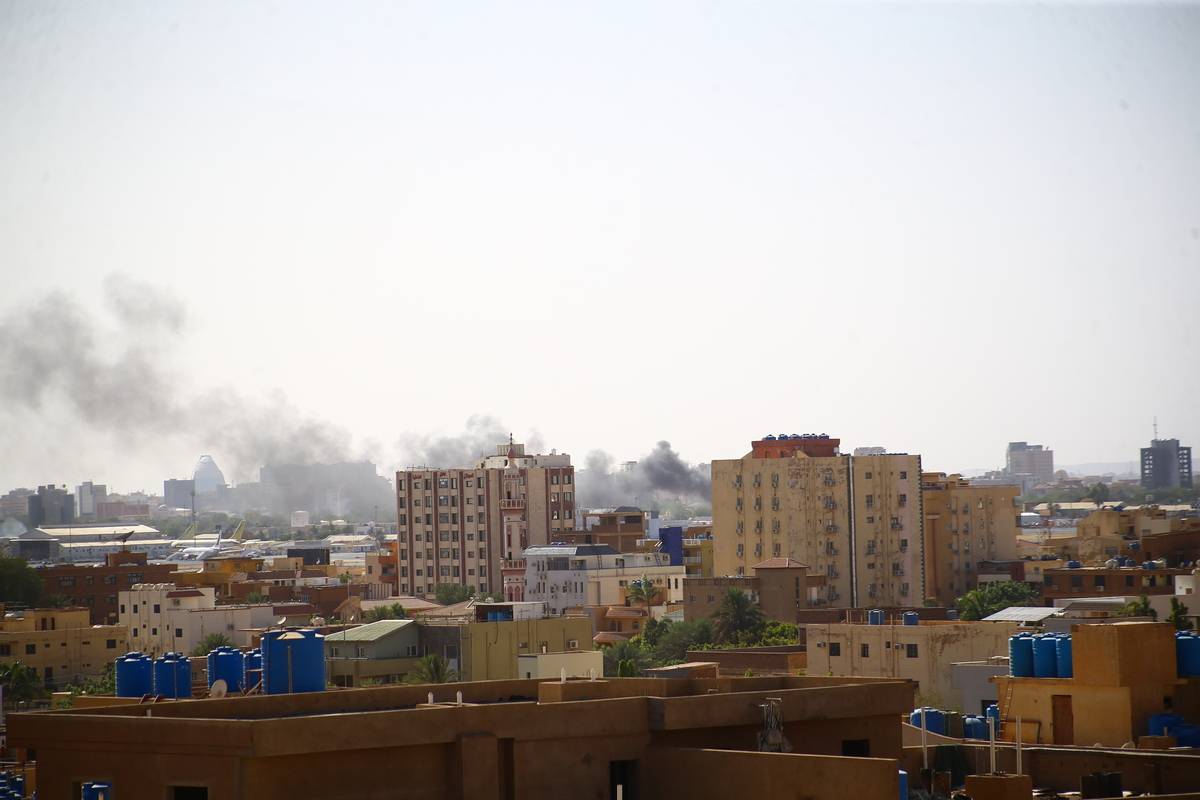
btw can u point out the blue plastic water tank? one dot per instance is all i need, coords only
(1187, 654)
(134, 675)
(1073, 565)
(993, 712)
(935, 721)
(253, 669)
(975, 727)
(1020, 655)
(903, 785)
(227, 664)
(912, 618)
(98, 790)
(173, 675)
(1159, 723)
(1045, 657)
(307, 667)
(875, 616)
(1187, 735)
(952, 613)
(1066, 668)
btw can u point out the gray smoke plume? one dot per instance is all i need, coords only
(111, 373)
(659, 480)
(482, 435)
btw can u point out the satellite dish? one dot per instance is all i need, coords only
(219, 688)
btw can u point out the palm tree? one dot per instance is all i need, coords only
(736, 614)
(642, 590)
(432, 669)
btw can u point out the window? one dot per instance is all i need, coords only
(572, 644)
(1076, 581)
(865, 651)
(1098, 581)
(867, 475)
(179, 633)
(5, 649)
(910, 651)
(870, 501)
(157, 610)
(903, 475)
(110, 579)
(835, 649)
(30, 649)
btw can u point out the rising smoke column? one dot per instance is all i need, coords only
(658, 477)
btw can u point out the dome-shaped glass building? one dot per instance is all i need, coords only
(208, 476)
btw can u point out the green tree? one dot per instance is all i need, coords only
(432, 669)
(1138, 608)
(626, 668)
(105, 684)
(678, 638)
(211, 642)
(256, 597)
(991, 597)
(451, 593)
(630, 650)
(19, 582)
(1178, 616)
(642, 590)
(654, 630)
(393, 611)
(736, 615)
(1099, 493)
(20, 683)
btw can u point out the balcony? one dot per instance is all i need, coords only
(512, 504)
(692, 560)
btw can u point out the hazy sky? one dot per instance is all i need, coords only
(934, 228)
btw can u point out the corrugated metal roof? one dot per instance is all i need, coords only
(1022, 614)
(371, 632)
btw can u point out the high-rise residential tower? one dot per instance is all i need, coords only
(1023, 458)
(1166, 465)
(854, 519)
(460, 525)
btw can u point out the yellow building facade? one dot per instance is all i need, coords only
(964, 524)
(853, 519)
(60, 643)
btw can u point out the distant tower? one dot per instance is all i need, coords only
(208, 476)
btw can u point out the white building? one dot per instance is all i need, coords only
(87, 495)
(163, 617)
(567, 576)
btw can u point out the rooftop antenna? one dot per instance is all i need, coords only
(1156, 426)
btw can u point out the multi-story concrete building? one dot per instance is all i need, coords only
(15, 503)
(163, 617)
(59, 643)
(461, 525)
(854, 519)
(964, 525)
(781, 587)
(87, 495)
(179, 492)
(1166, 465)
(569, 576)
(96, 587)
(922, 652)
(1023, 458)
(1106, 581)
(51, 506)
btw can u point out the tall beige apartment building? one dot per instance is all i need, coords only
(461, 525)
(854, 519)
(964, 524)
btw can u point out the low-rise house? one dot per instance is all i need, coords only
(568, 576)
(922, 652)
(378, 652)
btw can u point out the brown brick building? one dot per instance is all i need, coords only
(95, 587)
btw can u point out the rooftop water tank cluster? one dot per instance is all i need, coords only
(227, 664)
(946, 723)
(770, 437)
(1186, 734)
(1040, 655)
(134, 675)
(172, 675)
(1187, 654)
(12, 785)
(293, 660)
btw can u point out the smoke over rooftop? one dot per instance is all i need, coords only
(659, 479)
